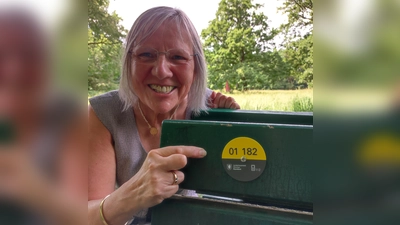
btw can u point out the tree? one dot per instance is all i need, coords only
(300, 17)
(102, 24)
(104, 46)
(237, 46)
(298, 43)
(103, 63)
(299, 56)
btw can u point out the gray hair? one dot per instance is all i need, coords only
(145, 25)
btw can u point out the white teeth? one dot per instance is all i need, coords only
(161, 89)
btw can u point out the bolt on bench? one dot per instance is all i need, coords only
(258, 161)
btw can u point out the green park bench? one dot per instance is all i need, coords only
(257, 169)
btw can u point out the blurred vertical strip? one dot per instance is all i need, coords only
(357, 116)
(43, 103)
(71, 49)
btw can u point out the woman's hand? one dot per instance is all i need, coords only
(219, 100)
(154, 182)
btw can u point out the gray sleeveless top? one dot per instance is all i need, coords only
(129, 152)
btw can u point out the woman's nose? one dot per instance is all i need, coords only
(161, 67)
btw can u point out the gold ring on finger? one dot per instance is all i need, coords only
(175, 178)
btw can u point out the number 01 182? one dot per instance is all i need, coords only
(246, 151)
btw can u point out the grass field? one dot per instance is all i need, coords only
(275, 100)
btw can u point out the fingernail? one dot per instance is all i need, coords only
(202, 152)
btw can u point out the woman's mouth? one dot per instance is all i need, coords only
(161, 89)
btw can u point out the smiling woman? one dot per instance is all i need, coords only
(163, 77)
(174, 71)
(170, 34)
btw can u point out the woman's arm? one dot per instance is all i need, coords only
(101, 168)
(101, 159)
(150, 186)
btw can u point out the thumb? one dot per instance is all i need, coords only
(212, 96)
(211, 100)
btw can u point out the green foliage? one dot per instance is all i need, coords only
(302, 104)
(104, 46)
(102, 24)
(268, 71)
(298, 43)
(299, 56)
(103, 64)
(238, 48)
(300, 17)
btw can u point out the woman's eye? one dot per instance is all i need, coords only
(146, 55)
(178, 57)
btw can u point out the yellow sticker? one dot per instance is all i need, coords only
(244, 148)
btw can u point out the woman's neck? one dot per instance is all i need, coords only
(155, 119)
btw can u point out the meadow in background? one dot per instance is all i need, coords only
(275, 100)
(271, 100)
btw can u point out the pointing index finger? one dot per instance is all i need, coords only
(188, 151)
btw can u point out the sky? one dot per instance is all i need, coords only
(200, 12)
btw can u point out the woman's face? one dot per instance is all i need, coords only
(162, 85)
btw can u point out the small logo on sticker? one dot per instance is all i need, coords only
(229, 166)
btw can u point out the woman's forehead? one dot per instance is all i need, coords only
(168, 35)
